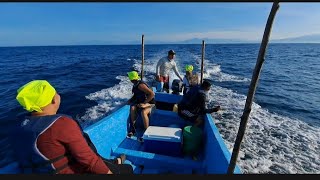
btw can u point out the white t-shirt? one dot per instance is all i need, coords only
(164, 67)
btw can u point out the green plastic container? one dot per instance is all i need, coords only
(192, 140)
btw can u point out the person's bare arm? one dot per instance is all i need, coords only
(175, 69)
(158, 70)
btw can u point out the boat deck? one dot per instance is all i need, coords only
(152, 163)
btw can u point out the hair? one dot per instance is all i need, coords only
(189, 75)
(206, 84)
(171, 52)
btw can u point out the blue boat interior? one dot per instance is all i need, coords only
(110, 137)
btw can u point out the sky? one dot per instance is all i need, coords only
(63, 23)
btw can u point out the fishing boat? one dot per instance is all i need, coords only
(213, 158)
(109, 135)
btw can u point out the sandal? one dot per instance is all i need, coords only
(140, 139)
(130, 134)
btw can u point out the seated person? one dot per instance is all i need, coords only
(47, 142)
(142, 100)
(192, 107)
(189, 80)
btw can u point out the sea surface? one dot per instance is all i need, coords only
(283, 131)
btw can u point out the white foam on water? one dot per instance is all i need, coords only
(108, 100)
(214, 72)
(112, 98)
(272, 143)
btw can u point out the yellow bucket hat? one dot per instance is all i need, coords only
(35, 95)
(133, 75)
(189, 68)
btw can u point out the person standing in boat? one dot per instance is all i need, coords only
(189, 80)
(192, 107)
(141, 101)
(163, 68)
(47, 142)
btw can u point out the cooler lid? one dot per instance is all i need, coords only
(163, 134)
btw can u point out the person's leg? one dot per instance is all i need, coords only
(166, 84)
(133, 116)
(159, 86)
(117, 160)
(188, 116)
(166, 87)
(145, 116)
(133, 113)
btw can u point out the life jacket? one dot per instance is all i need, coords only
(31, 160)
(140, 96)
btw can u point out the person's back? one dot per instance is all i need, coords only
(192, 99)
(139, 95)
(193, 104)
(47, 142)
(49, 134)
(190, 79)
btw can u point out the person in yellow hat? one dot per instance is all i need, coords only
(142, 100)
(190, 79)
(47, 142)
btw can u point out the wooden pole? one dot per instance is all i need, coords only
(202, 59)
(142, 64)
(252, 88)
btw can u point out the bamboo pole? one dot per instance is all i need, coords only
(142, 64)
(252, 88)
(202, 59)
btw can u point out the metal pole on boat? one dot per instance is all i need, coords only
(202, 59)
(252, 88)
(142, 64)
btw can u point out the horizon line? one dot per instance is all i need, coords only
(157, 44)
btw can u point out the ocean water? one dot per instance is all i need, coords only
(282, 135)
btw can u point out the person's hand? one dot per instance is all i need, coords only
(217, 108)
(139, 105)
(143, 105)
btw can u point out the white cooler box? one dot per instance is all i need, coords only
(163, 140)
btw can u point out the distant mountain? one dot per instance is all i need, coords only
(314, 38)
(213, 41)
